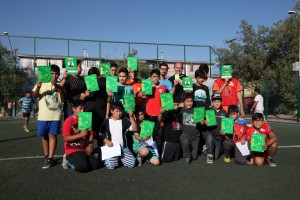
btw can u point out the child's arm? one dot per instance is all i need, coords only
(63, 81)
(71, 138)
(223, 86)
(108, 102)
(132, 120)
(37, 90)
(161, 117)
(273, 138)
(89, 148)
(137, 136)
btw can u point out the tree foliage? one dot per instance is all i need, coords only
(267, 54)
(13, 80)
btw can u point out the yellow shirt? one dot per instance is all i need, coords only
(50, 107)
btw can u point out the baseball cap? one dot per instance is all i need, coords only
(216, 96)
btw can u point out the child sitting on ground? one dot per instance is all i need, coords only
(78, 144)
(260, 127)
(114, 131)
(172, 120)
(239, 135)
(143, 152)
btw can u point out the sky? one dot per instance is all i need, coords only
(194, 22)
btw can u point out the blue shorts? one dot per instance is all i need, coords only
(48, 127)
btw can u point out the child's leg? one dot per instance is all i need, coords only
(218, 148)
(258, 161)
(94, 162)
(52, 145)
(127, 158)
(171, 151)
(152, 157)
(143, 152)
(209, 141)
(45, 143)
(239, 158)
(186, 145)
(195, 146)
(112, 163)
(78, 161)
(228, 145)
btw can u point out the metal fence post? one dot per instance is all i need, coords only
(267, 98)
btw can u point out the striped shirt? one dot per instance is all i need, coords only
(27, 104)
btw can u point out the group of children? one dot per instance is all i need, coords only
(175, 133)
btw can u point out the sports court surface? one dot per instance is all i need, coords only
(22, 176)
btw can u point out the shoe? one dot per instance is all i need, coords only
(210, 160)
(65, 163)
(227, 160)
(27, 130)
(187, 160)
(204, 149)
(139, 159)
(48, 163)
(271, 162)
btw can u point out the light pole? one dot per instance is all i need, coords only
(296, 67)
(11, 49)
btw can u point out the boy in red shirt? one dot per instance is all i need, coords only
(78, 145)
(239, 135)
(260, 127)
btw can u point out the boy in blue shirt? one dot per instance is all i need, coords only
(26, 103)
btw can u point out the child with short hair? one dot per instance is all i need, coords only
(49, 117)
(78, 145)
(143, 152)
(26, 103)
(239, 135)
(260, 127)
(190, 137)
(113, 132)
(201, 92)
(172, 131)
(212, 135)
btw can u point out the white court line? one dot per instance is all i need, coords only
(28, 157)
(60, 156)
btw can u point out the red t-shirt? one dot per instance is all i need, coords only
(70, 127)
(265, 129)
(239, 132)
(229, 96)
(153, 101)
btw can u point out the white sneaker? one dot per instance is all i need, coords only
(139, 159)
(64, 163)
(209, 160)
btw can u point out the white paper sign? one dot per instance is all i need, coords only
(243, 148)
(109, 152)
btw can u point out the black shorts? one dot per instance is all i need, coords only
(26, 114)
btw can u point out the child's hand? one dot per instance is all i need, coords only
(89, 149)
(243, 141)
(109, 93)
(145, 138)
(38, 84)
(130, 113)
(205, 122)
(66, 74)
(177, 81)
(202, 122)
(222, 133)
(84, 132)
(109, 143)
(87, 93)
(265, 146)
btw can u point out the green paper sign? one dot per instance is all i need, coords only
(257, 142)
(177, 77)
(147, 128)
(112, 83)
(85, 121)
(187, 83)
(91, 82)
(226, 71)
(211, 118)
(71, 65)
(44, 74)
(129, 102)
(167, 101)
(132, 63)
(105, 69)
(227, 125)
(147, 86)
(199, 113)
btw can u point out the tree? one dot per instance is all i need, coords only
(267, 53)
(13, 80)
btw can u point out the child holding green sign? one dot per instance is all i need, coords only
(113, 132)
(78, 144)
(238, 134)
(270, 145)
(212, 135)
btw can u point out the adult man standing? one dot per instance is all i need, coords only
(178, 67)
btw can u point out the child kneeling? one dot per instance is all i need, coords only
(78, 145)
